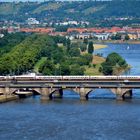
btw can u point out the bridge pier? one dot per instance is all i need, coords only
(7, 90)
(49, 93)
(45, 97)
(2, 90)
(84, 93)
(45, 94)
(83, 97)
(122, 93)
(119, 97)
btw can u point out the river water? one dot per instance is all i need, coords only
(130, 52)
(99, 118)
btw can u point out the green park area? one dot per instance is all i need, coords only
(55, 55)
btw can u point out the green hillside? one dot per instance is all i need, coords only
(47, 7)
(72, 10)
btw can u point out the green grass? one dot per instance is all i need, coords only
(91, 71)
(9, 8)
(92, 10)
(41, 61)
(46, 7)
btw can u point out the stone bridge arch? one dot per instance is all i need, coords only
(38, 90)
(8, 90)
(2, 90)
(83, 92)
(121, 92)
(50, 92)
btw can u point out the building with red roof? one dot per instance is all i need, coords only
(37, 30)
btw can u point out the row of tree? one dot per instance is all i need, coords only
(120, 36)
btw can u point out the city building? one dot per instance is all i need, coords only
(32, 21)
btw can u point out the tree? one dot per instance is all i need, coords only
(47, 68)
(64, 69)
(88, 57)
(90, 47)
(68, 42)
(116, 37)
(107, 69)
(83, 47)
(77, 70)
(127, 37)
(84, 59)
(75, 45)
(24, 55)
(85, 41)
(113, 61)
(74, 52)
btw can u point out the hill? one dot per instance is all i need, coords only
(76, 10)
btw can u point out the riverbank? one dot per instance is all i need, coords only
(7, 98)
(120, 70)
(95, 66)
(96, 62)
(94, 69)
(117, 41)
(116, 70)
(99, 46)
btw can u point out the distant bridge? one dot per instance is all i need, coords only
(46, 86)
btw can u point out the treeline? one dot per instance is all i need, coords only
(62, 56)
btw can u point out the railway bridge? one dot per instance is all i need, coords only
(48, 86)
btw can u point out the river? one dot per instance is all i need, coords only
(99, 118)
(130, 52)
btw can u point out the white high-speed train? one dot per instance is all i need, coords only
(35, 77)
